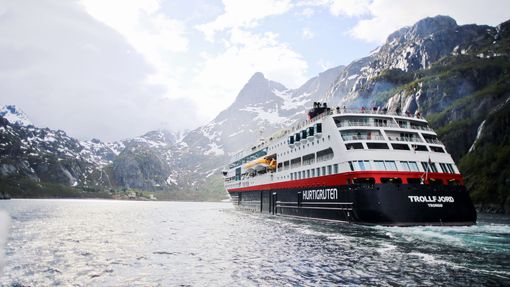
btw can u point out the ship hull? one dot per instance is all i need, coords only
(381, 204)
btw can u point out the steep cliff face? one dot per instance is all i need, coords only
(141, 168)
(408, 50)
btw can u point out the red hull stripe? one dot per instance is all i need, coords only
(341, 179)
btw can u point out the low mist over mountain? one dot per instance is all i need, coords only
(457, 76)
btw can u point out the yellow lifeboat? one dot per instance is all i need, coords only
(261, 163)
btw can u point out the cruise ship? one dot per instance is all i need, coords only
(366, 166)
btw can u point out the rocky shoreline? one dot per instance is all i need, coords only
(4, 195)
(493, 208)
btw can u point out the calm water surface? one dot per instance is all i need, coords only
(123, 243)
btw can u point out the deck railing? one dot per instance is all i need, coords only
(405, 139)
(363, 138)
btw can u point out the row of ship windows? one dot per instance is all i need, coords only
(322, 155)
(353, 146)
(359, 165)
(319, 171)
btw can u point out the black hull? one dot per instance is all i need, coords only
(381, 204)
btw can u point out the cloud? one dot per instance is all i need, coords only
(243, 14)
(223, 74)
(307, 34)
(349, 7)
(145, 27)
(386, 16)
(306, 12)
(243, 52)
(68, 71)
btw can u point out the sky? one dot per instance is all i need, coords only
(115, 69)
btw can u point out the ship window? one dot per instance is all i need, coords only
(420, 148)
(313, 172)
(295, 162)
(324, 155)
(291, 140)
(297, 137)
(379, 165)
(380, 123)
(311, 131)
(364, 180)
(286, 165)
(308, 173)
(291, 176)
(413, 166)
(323, 170)
(318, 128)
(304, 134)
(351, 146)
(309, 159)
(435, 181)
(351, 166)
(443, 167)
(405, 166)
(391, 180)
(335, 168)
(430, 167)
(390, 165)
(413, 180)
(400, 146)
(403, 124)
(450, 168)
(318, 171)
(330, 169)
(437, 149)
(377, 146)
(363, 165)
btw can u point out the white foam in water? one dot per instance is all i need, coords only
(385, 248)
(4, 229)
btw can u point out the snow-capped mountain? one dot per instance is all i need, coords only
(15, 115)
(261, 108)
(46, 155)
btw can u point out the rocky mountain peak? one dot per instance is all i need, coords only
(257, 90)
(257, 77)
(15, 115)
(430, 25)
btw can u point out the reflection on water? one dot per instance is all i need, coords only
(120, 243)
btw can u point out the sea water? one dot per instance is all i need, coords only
(131, 243)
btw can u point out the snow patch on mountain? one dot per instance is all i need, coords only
(271, 116)
(290, 101)
(14, 115)
(214, 149)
